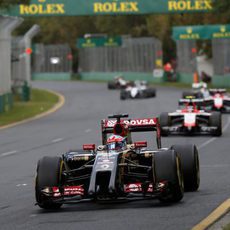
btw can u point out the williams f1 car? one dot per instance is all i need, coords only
(191, 120)
(138, 90)
(119, 170)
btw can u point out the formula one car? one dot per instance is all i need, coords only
(191, 120)
(218, 100)
(119, 83)
(138, 90)
(118, 169)
(198, 90)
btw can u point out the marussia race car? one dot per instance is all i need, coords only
(217, 101)
(119, 83)
(191, 120)
(138, 90)
(99, 174)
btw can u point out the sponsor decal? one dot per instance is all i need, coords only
(136, 187)
(190, 34)
(73, 190)
(133, 122)
(116, 7)
(42, 8)
(223, 33)
(190, 5)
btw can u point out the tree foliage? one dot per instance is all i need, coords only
(7, 3)
(56, 30)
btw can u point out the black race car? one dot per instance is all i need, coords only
(101, 174)
(119, 83)
(199, 90)
(190, 119)
(139, 89)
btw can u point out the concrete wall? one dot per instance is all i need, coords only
(127, 75)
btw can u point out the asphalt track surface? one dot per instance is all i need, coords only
(78, 122)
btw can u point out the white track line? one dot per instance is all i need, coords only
(8, 153)
(214, 138)
(57, 140)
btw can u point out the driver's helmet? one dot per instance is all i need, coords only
(116, 143)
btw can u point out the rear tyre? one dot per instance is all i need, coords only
(49, 171)
(151, 92)
(215, 120)
(167, 167)
(164, 122)
(190, 165)
(123, 94)
(111, 85)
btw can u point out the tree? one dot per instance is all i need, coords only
(7, 3)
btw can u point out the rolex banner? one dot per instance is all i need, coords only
(99, 42)
(201, 32)
(112, 7)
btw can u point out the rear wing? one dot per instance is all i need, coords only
(131, 125)
(192, 102)
(214, 91)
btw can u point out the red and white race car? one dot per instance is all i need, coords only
(191, 120)
(218, 100)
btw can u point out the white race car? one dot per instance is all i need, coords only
(140, 89)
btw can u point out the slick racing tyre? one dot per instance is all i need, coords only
(164, 122)
(111, 85)
(215, 120)
(151, 92)
(190, 165)
(123, 94)
(167, 167)
(49, 171)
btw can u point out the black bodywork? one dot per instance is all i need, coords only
(98, 175)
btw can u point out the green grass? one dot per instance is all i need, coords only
(40, 102)
(227, 227)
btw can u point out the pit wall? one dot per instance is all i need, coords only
(6, 102)
(51, 76)
(127, 75)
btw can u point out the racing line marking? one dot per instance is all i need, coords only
(88, 130)
(214, 138)
(8, 153)
(57, 140)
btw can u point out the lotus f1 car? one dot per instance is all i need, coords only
(101, 174)
(138, 90)
(191, 120)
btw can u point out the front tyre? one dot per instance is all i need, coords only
(123, 94)
(167, 167)
(190, 165)
(49, 170)
(215, 120)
